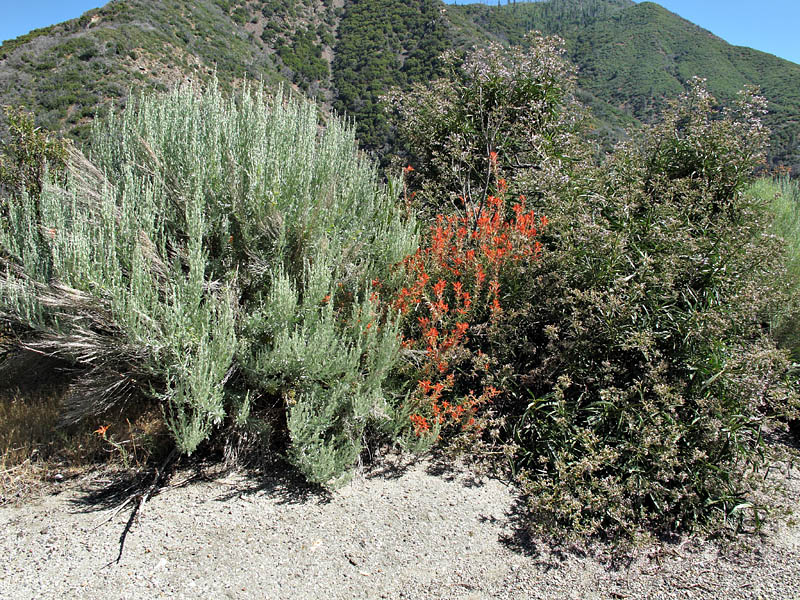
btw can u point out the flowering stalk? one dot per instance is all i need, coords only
(454, 286)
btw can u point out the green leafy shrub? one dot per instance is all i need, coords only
(217, 256)
(27, 158)
(657, 370)
(633, 357)
(512, 103)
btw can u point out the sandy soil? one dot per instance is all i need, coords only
(396, 531)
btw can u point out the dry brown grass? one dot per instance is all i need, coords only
(35, 450)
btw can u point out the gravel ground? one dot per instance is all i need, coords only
(412, 532)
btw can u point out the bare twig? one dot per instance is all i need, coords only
(140, 498)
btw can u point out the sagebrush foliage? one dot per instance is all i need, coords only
(217, 255)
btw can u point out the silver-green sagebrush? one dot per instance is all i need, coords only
(206, 239)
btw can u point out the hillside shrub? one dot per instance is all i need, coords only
(656, 372)
(27, 158)
(514, 103)
(633, 357)
(215, 255)
(380, 44)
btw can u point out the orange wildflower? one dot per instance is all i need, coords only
(420, 424)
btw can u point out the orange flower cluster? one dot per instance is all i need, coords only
(455, 284)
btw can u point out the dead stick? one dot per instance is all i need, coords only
(142, 498)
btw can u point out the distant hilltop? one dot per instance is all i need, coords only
(345, 54)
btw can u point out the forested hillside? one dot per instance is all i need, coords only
(645, 55)
(633, 57)
(384, 43)
(345, 54)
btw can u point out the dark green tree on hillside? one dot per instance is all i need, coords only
(384, 43)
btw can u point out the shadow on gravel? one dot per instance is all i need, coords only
(551, 553)
(394, 465)
(519, 539)
(280, 482)
(129, 491)
(448, 468)
(111, 490)
(114, 488)
(391, 466)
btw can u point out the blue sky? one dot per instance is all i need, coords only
(770, 25)
(18, 17)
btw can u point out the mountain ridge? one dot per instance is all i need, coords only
(345, 54)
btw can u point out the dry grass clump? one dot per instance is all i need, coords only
(35, 450)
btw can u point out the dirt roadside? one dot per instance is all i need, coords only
(396, 531)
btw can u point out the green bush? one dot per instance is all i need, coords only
(656, 371)
(27, 159)
(634, 358)
(304, 58)
(217, 256)
(512, 103)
